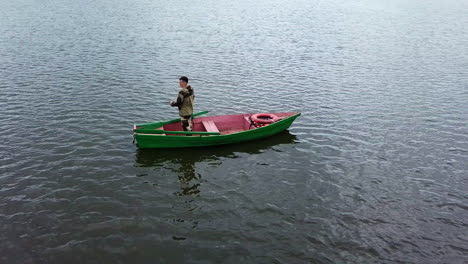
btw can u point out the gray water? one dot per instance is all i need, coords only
(374, 171)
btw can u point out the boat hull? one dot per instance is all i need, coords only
(177, 141)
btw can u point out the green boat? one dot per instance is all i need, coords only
(212, 130)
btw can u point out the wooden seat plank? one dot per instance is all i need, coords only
(210, 126)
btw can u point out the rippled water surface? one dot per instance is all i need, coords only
(374, 171)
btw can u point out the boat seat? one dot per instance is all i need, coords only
(210, 126)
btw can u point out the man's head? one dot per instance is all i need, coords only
(183, 81)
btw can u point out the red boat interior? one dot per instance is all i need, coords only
(226, 124)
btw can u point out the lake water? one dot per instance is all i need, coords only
(374, 171)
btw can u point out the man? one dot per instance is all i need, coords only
(184, 102)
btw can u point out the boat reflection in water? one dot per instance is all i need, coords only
(183, 162)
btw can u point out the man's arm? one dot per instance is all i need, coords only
(179, 100)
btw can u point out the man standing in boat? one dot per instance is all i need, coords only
(184, 102)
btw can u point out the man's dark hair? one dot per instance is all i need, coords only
(183, 78)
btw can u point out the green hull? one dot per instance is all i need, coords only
(177, 141)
